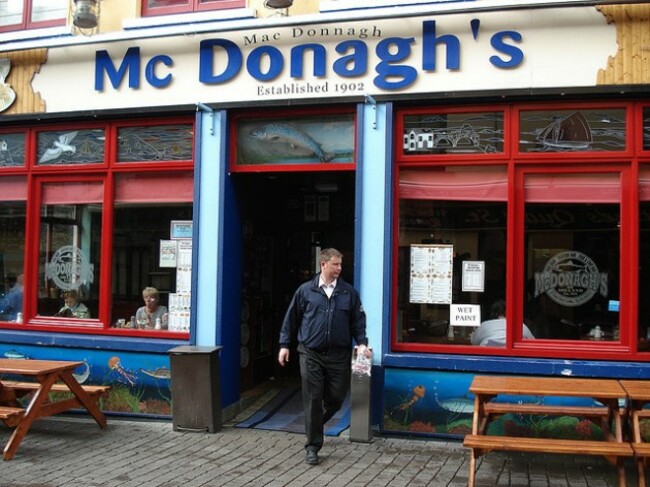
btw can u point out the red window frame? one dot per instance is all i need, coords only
(106, 173)
(27, 23)
(191, 6)
(624, 162)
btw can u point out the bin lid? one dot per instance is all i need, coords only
(192, 349)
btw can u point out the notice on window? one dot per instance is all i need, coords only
(473, 276)
(464, 315)
(168, 253)
(431, 274)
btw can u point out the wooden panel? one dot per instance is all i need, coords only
(24, 65)
(631, 65)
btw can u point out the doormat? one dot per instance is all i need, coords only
(284, 413)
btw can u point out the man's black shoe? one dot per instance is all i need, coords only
(311, 457)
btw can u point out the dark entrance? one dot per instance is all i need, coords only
(286, 219)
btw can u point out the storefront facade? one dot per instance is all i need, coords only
(458, 157)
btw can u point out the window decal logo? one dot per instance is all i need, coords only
(69, 268)
(571, 278)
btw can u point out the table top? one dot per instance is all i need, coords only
(547, 386)
(637, 389)
(31, 367)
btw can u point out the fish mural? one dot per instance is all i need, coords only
(163, 373)
(140, 382)
(296, 141)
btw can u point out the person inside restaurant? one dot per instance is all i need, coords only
(493, 332)
(72, 307)
(152, 315)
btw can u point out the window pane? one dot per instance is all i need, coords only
(140, 233)
(572, 131)
(49, 10)
(12, 150)
(474, 230)
(155, 143)
(572, 261)
(453, 133)
(71, 147)
(69, 256)
(12, 250)
(11, 12)
(644, 258)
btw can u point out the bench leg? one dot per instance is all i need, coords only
(640, 464)
(620, 466)
(472, 468)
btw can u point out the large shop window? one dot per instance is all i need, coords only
(452, 223)
(572, 255)
(29, 14)
(103, 244)
(69, 249)
(13, 197)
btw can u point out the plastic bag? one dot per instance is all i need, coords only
(361, 365)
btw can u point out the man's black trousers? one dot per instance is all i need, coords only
(325, 383)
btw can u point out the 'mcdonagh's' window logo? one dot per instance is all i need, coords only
(69, 268)
(570, 278)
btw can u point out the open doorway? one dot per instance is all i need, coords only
(286, 219)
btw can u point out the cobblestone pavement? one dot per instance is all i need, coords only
(75, 452)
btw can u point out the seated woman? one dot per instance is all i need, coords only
(493, 332)
(146, 316)
(72, 307)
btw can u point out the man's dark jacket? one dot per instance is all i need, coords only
(321, 323)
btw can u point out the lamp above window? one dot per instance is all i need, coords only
(85, 14)
(278, 3)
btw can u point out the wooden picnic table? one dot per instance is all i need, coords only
(47, 376)
(607, 392)
(638, 395)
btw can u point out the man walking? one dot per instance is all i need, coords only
(324, 315)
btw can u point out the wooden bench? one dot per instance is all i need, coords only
(27, 387)
(607, 392)
(11, 416)
(638, 395)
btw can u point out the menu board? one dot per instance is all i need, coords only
(431, 274)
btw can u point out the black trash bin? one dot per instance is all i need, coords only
(196, 388)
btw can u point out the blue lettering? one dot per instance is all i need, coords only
(356, 63)
(254, 63)
(320, 58)
(430, 43)
(392, 77)
(150, 71)
(499, 44)
(130, 63)
(206, 61)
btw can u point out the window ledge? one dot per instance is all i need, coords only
(189, 18)
(33, 34)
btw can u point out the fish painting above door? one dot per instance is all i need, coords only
(304, 140)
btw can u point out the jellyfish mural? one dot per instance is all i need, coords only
(114, 364)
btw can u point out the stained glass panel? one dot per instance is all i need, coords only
(155, 143)
(453, 133)
(71, 147)
(572, 130)
(12, 150)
